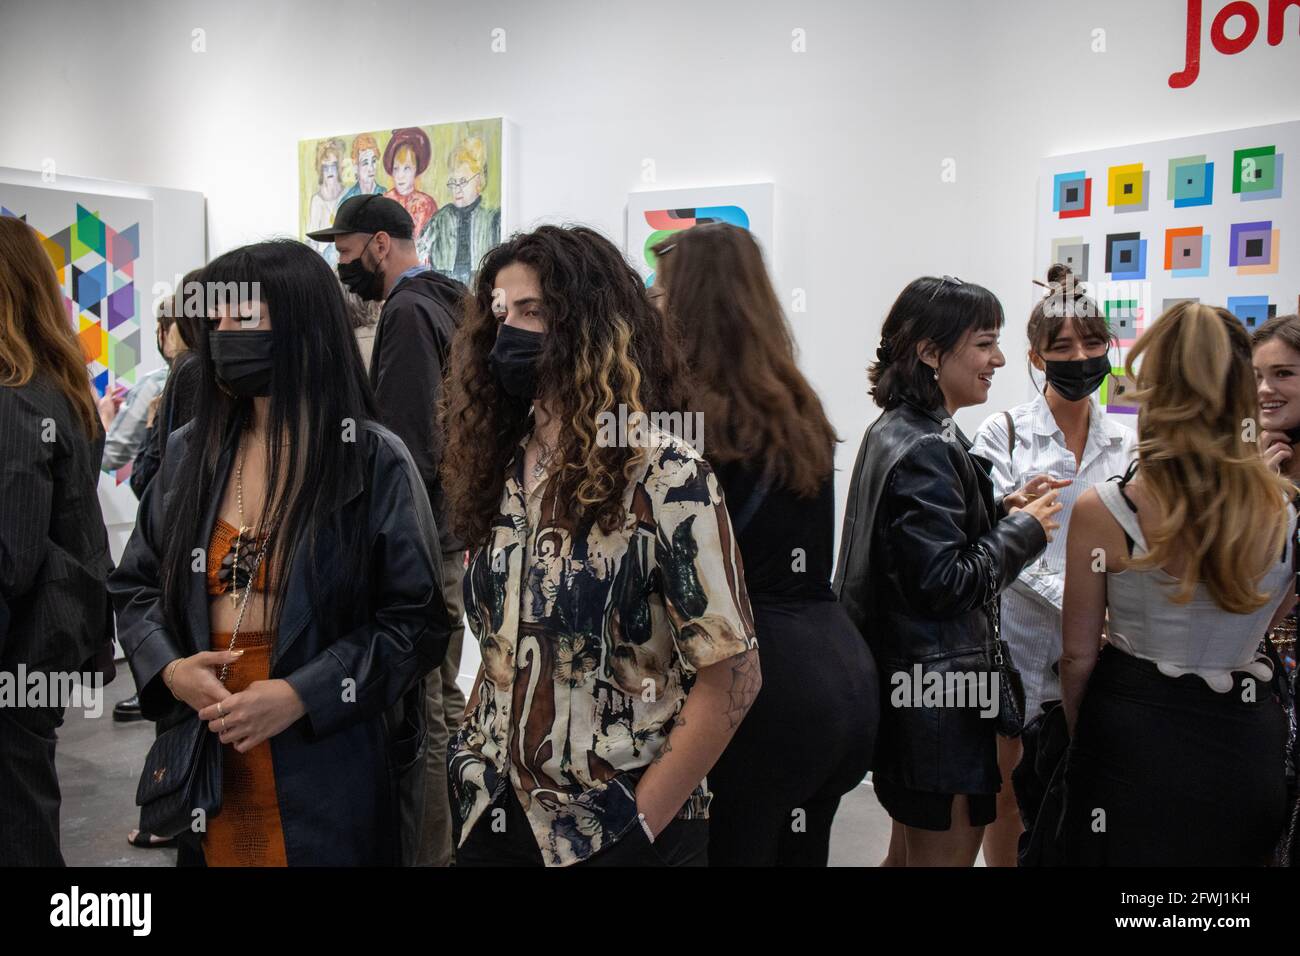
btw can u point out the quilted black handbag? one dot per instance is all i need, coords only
(182, 774)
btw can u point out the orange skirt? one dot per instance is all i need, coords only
(247, 831)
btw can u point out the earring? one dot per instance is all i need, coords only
(936, 375)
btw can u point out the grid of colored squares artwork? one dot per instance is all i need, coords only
(95, 264)
(1183, 220)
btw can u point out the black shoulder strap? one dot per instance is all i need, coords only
(1011, 434)
(1124, 480)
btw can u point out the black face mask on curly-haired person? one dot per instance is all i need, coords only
(514, 361)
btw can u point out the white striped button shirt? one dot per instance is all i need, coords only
(1031, 607)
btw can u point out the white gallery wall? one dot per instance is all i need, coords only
(855, 131)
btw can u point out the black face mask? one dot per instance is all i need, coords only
(243, 361)
(514, 361)
(1078, 378)
(359, 280)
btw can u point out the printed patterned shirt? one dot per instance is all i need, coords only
(590, 644)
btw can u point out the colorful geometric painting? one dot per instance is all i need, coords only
(1253, 310)
(1126, 256)
(1187, 252)
(1191, 181)
(1213, 209)
(1072, 195)
(1254, 248)
(656, 215)
(1113, 391)
(1073, 252)
(448, 176)
(1124, 316)
(1127, 187)
(1257, 173)
(96, 260)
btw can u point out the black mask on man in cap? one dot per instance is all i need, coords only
(359, 280)
(369, 216)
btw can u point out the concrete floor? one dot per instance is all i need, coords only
(99, 765)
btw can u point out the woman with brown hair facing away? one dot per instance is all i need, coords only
(1176, 740)
(605, 584)
(807, 740)
(54, 611)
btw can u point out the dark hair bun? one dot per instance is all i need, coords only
(1058, 273)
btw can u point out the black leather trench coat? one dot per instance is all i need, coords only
(350, 772)
(924, 548)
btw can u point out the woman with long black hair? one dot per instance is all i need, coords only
(605, 583)
(282, 577)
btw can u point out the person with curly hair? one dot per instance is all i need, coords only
(605, 583)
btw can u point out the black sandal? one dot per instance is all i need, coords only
(147, 841)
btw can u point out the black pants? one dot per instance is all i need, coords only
(29, 786)
(682, 843)
(806, 741)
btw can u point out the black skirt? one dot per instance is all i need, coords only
(806, 741)
(1164, 771)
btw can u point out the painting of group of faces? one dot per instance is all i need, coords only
(447, 176)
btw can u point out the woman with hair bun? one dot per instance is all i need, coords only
(1065, 433)
(1176, 741)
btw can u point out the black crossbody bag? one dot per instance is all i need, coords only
(1011, 686)
(182, 775)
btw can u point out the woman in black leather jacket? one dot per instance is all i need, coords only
(925, 549)
(283, 580)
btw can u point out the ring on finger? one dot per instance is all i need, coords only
(223, 725)
(220, 712)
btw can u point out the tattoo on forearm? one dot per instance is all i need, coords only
(679, 721)
(745, 682)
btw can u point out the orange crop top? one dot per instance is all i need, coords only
(222, 563)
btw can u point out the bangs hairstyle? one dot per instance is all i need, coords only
(317, 387)
(1217, 497)
(605, 345)
(1065, 301)
(941, 311)
(755, 403)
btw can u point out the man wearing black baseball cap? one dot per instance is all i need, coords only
(377, 260)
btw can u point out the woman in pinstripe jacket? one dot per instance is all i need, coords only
(54, 558)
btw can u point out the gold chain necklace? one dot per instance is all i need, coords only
(234, 565)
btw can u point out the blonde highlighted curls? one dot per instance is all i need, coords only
(605, 345)
(1200, 462)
